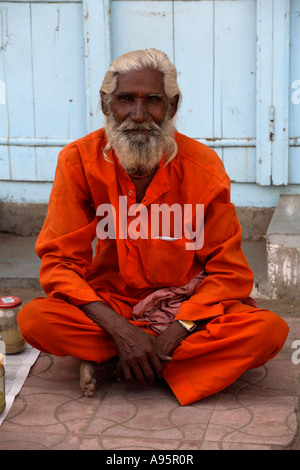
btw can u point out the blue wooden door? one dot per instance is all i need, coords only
(42, 67)
(233, 59)
(238, 67)
(294, 95)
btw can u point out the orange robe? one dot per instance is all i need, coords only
(124, 270)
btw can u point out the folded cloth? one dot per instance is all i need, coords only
(160, 307)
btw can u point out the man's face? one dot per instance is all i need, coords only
(140, 97)
(139, 120)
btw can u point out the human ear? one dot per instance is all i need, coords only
(173, 106)
(104, 105)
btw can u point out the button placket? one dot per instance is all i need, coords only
(130, 216)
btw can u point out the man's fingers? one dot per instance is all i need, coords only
(134, 373)
(157, 357)
(163, 357)
(119, 372)
(140, 357)
(157, 366)
(144, 371)
(143, 375)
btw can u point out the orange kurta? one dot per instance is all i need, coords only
(124, 270)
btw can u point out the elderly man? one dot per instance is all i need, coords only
(149, 303)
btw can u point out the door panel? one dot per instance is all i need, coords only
(238, 67)
(42, 66)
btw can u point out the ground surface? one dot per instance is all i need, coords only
(259, 411)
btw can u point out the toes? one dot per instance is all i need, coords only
(89, 389)
(93, 375)
(87, 379)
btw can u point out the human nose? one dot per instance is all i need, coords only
(139, 112)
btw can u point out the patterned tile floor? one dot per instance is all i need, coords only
(256, 412)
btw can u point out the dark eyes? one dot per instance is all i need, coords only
(149, 99)
(154, 98)
(125, 98)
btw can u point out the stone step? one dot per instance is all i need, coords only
(283, 248)
(18, 262)
(19, 265)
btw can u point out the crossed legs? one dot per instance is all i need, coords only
(206, 362)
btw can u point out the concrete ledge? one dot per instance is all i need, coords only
(284, 228)
(19, 265)
(254, 222)
(22, 219)
(27, 219)
(283, 248)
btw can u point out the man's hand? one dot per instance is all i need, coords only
(170, 339)
(140, 356)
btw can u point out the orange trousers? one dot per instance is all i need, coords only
(205, 363)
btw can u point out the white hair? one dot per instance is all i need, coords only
(139, 60)
(136, 61)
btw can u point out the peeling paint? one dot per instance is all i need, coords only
(5, 37)
(283, 265)
(57, 28)
(152, 13)
(271, 122)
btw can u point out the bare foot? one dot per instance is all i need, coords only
(92, 375)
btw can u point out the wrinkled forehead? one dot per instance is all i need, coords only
(146, 81)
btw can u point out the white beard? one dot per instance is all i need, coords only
(140, 154)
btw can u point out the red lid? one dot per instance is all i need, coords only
(10, 301)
